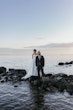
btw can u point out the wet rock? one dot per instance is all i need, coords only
(11, 71)
(33, 78)
(59, 75)
(70, 88)
(48, 75)
(71, 62)
(45, 79)
(6, 78)
(36, 83)
(67, 63)
(2, 70)
(0, 78)
(51, 82)
(59, 81)
(45, 82)
(16, 74)
(2, 81)
(15, 86)
(20, 73)
(69, 78)
(61, 84)
(13, 74)
(60, 63)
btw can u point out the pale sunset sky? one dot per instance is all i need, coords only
(35, 22)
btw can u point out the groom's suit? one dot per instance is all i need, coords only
(40, 64)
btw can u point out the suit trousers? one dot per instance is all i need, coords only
(40, 69)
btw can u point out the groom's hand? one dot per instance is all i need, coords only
(43, 67)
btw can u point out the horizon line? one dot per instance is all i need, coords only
(25, 47)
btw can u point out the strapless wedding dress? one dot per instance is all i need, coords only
(33, 70)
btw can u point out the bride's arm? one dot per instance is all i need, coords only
(32, 56)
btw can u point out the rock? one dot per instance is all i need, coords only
(51, 82)
(69, 78)
(33, 78)
(60, 63)
(71, 62)
(16, 74)
(2, 81)
(62, 75)
(11, 71)
(15, 86)
(48, 75)
(61, 84)
(2, 70)
(59, 81)
(66, 63)
(45, 79)
(70, 88)
(0, 78)
(6, 78)
(20, 72)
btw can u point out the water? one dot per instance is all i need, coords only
(51, 63)
(26, 97)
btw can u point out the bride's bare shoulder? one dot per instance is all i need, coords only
(32, 56)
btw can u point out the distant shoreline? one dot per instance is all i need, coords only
(44, 51)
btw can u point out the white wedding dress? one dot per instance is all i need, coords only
(33, 70)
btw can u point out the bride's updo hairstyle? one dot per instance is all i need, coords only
(34, 50)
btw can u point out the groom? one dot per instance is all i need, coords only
(40, 64)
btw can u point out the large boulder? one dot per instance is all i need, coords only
(70, 88)
(16, 74)
(62, 75)
(66, 63)
(61, 63)
(33, 78)
(71, 62)
(61, 84)
(2, 70)
(59, 81)
(20, 72)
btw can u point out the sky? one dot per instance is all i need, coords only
(35, 22)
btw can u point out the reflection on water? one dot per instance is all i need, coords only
(27, 97)
(38, 98)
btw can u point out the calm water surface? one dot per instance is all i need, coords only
(25, 97)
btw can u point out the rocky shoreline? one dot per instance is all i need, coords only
(11, 75)
(50, 82)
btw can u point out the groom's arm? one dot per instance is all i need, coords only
(36, 61)
(43, 61)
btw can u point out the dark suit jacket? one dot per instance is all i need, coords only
(40, 62)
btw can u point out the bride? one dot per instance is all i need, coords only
(33, 69)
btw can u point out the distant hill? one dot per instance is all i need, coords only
(49, 49)
(53, 45)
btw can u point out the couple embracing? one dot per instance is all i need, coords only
(37, 65)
